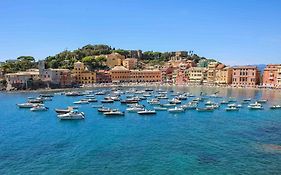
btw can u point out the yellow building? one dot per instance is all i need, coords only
(83, 75)
(279, 76)
(211, 76)
(122, 74)
(224, 76)
(197, 75)
(114, 59)
(130, 63)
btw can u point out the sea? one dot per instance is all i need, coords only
(192, 142)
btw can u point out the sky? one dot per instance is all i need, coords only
(235, 32)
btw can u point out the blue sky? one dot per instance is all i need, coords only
(232, 31)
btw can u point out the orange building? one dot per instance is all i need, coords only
(224, 76)
(245, 76)
(121, 74)
(270, 75)
(130, 63)
(83, 75)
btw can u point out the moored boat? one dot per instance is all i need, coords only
(147, 112)
(73, 115)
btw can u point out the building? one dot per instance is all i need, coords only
(245, 76)
(279, 76)
(212, 69)
(120, 74)
(114, 59)
(103, 77)
(2, 74)
(224, 76)
(55, 77)
(167, 74)
(270, 75)
(145, 76)
(130, 63)
(197, 75)
(83, 75)
(135, 54)
(22, 80)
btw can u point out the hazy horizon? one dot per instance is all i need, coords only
(233, 32)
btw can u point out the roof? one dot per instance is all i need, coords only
(120, 68)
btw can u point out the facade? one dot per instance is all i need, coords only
(120, 74)
(21, 80)
(245, 76)
(103, 77)
(55, 77)
(224, 76)
(197, 75)
(83, 75)
(135, 54)
(114, 59)
(212, 69)
(270, 75)
(1, 74)
(167, 74)
(130, 63)
(279, 76)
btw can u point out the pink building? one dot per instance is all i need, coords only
(270, 75)
(245, 76)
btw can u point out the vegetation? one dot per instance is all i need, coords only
(22, 63)
(92, 55)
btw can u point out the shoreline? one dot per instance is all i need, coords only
(124, 85)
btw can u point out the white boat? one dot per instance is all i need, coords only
(232, 108)
(83, 101)
(175, 101)
(154, 102)
(26, 105)
(39, 108)
(168, 105)
(92, 100)
(176, 109)
(73, 115)
(114, 113)
(160, 109)
(262, 101)
(107, 101)
(136, 105)
(147, 112)
(97, 106)
(256, 106)
(134, 109)
(275, 107)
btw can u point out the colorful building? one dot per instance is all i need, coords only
(197, 74)
(114, 59)
(279, 76)
(83, 75)
(245, 76)
(224, 76)
(167, 74)
(211, 74)
(21, 80)
(121, 74)
(270, 75)
(103, 76)
(130, 63)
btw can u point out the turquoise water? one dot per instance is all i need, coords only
(244, 142)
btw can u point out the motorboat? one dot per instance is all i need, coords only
(83, 101)
(46, 95)
(100, 93)
(205, 109)
(114, 113)
(176, 109)
(224, 102)
(153, 102)
(107, 101)
(147, 112)
(97, 106)
(73, 94)
(232, 108)
(134, 109)
(26, 105)
(160, 108)
(168, 105)
(73, 115)
(262, 101)
(104, 109)
(35, 101)
(256, 106)
(275, 107)
(39, 108)
(129, 101)
(247, 99)
(64, 111)
(174, 101)
(92, 100)
(136, 105)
